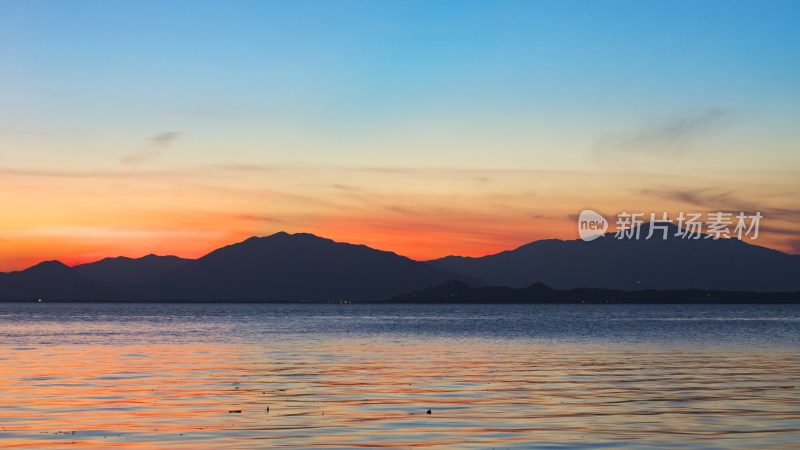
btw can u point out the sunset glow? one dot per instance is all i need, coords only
(427, 129)
(438, 224)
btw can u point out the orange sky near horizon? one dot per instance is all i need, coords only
(79, 217)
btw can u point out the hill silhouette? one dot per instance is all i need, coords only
(630, 264)
(51, 280)
(281, 267)
(297, 267)
(130, 270)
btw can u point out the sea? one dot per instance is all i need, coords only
(246, 376)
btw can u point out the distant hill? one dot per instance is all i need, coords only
(281, 267)
(129, 270)
(457, 292)
(629, 264)
(295, 267)
(51, 280)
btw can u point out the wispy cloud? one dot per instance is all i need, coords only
(346, 187)
(666, 137)
(538, 216)
(44, 173)
(703, 197)
(256, 218)
(478, 174)
(713, 199)
(154, 148)
(779, 230)
(166, 138)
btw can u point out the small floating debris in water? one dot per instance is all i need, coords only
(235, 411)
(429, 411)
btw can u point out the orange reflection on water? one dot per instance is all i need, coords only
(304, 392)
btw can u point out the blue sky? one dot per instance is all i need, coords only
(343, 68)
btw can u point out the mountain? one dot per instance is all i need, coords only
(51, 280)
(295, 267)
(281, 267)
(129, 270)
(304, 267)
(457, 292)
(631, 264)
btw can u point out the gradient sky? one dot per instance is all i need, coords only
(428, 128)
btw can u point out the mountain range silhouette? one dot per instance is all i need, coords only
(304, 267)
(636, 264)
(280, 267)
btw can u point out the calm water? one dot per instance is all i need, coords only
(344, 376)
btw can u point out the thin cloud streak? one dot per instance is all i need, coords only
(713, 200)
(41, 173)
(156, 145)
(165, 139)
(256, 218)
(667, 137)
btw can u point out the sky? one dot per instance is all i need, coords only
(427, 128)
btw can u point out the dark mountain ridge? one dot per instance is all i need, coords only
(297, 267)
(629, 264)
(281, 267)
(51, 280)
(129, 270)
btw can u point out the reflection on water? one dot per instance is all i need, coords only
(343, 376)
